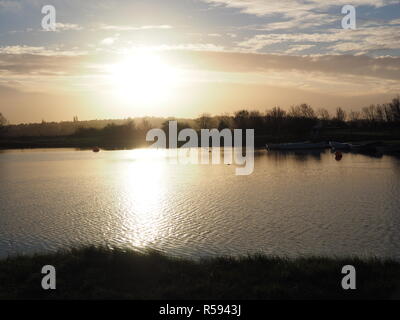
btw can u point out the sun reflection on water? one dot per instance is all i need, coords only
(143, 186)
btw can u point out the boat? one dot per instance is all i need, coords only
(298, 146)
(341, 146)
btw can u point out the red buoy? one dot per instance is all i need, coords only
(96, 149)
(338, 156)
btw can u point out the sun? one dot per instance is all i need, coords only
(143, 77)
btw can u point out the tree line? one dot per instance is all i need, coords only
(298, 119)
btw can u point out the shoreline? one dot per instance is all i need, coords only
(101, 273)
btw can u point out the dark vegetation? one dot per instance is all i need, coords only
(299, 123)
(98, 273)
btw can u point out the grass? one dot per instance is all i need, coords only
(100, 273)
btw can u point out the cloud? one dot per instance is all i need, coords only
(67, 26)
(10, 5)
(25, 61)
(299, 48)
(33, 60)
(293, 8)
(31, 50)
(362, 66)
(135, 28)
(362, 40)
(108, 41)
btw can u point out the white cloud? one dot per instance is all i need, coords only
(42, 51)
(67, 26)
(108, 41)
(299, 48)
(292, 8)
(10, 5)
(360, 40)
(135, 28)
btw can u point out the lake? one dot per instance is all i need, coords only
(293, 204)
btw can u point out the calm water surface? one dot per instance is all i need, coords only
(293, 204)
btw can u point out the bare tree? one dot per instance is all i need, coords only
(323, 114)
(303, 110)
(3, 120)
(204, 121)
(276, 113)
(241, 119)
(395, 109)
(369, 113)
(340, 115)
(354, 116)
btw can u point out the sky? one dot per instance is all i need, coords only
(120, 58)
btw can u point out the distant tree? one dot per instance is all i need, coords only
(145, 125)
(241, 119)
(3, 121)
(369, 113)
(340, 115)
(380, 113)
(354, 116)
(395, 109)
(256, 120)
(323, 114)
(224, 122)
(275, 119)
(276, 114)
(75, 119)
(303, 110)
(294, 112)
(307, 111)
(204, 121)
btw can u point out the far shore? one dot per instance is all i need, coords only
(387, 139)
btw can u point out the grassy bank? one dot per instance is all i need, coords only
(96, 273)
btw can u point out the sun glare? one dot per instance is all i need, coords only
(143, 77)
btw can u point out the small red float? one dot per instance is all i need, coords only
(338, 156)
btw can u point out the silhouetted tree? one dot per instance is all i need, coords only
(241, 119)
(354, 116)
(303, 110)
(323, 114)
(276, 114)
(224, 122)
(340, 115)
(204, 121)
(3, 121)
(395, 109)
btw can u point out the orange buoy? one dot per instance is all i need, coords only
(338, 156)
(96, 149)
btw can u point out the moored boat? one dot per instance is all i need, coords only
(341, 146)
(297, 146)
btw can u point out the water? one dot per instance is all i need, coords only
(293, 204)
